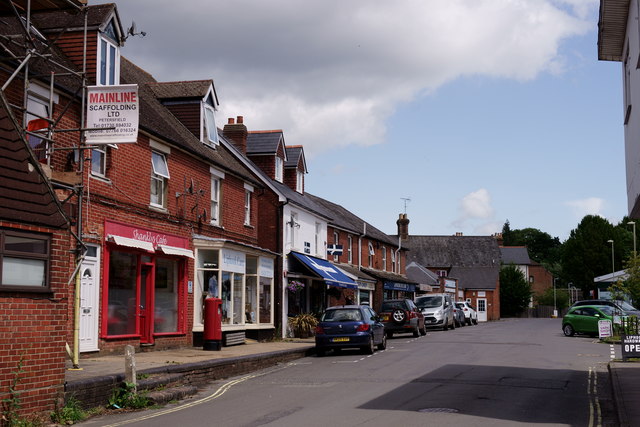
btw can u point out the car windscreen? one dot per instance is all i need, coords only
(429, 302)
(342, 315)
(460, 305)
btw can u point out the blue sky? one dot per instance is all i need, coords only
(479, 111)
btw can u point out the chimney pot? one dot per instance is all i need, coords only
(230, 121)
(240, 120)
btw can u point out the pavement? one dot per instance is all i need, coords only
(625, 376)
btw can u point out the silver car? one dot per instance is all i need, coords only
(437, 310)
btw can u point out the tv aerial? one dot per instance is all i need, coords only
(406, 200)
(133, 31)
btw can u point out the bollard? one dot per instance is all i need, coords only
(130, 376)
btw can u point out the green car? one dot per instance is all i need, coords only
(584, 319)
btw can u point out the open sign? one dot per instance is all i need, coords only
(630, 346)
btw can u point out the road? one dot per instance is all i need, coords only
(503, 373)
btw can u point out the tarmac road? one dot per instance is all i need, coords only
(505, 373)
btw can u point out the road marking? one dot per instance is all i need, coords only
(218, 393)
(595, 415)
(613, 351)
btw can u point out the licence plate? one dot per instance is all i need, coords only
(345, 339)
(385, 317)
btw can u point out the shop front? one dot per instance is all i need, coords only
(243, 278)
(395, 290)
(145, 277)
(313, 284)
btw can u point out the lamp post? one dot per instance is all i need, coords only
(634, 235)
(613, 264)
(555, 308)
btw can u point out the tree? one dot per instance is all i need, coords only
(631, 284)
(561, 298)
(586, 253)
(515, 291)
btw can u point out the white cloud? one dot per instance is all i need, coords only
(331, 72)
(588, 206)
(476, 207)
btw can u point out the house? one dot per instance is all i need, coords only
(474, 261)
(618, 29)
(165, 218)
(538, 277)
(374, 259)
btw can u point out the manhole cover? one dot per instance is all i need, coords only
(439, 410)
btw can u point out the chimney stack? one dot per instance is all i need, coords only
(236, 131)
(403, 226)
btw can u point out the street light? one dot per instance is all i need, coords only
(634, 236)
(555, 308)
(613, 264)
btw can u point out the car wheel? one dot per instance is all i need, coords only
(475, 321)
(423, 331)
(399, 316)
(389, 334)
(453, 325)
(416, 332)
(320, 352)
(445, 326)
(383, 344)
(568, 330)
(369, 348)
(468, 321)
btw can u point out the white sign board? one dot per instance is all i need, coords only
(604, 328)
(112, 107)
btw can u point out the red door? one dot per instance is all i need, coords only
(146, 305)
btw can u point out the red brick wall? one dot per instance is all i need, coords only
(542, 279)
(33, 333)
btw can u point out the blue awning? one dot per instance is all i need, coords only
(331, 274)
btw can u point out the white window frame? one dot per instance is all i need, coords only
(103, 80)
(393, 261)
(215, 200)
(208, 128)
(101, 171)
(299, 181)
(247, 204)
(349, 252)
(336, 239)
(159, 177)
(279, 168)
(384, 258)
(316, 240)
(372, 252)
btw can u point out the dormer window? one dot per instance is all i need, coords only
(299, 181)
(279, 168)
(209, 129)
(108, 57)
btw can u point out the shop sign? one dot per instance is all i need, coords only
(266, 267)
(630, 346)
(233, 261)
(114, 107)
(396, 286)
(604, 328)
(448, 283)
(145, 235)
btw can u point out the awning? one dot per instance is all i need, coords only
(173, 250)
(331, 274)
(131, 243)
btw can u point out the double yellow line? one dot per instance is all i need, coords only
(595, 414)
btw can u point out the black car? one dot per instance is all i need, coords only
(400, 316)
(623, 306)
(350, 326)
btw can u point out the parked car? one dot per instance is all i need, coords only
(437, 310)
(350, 326)
(470, 314)
(458, 316)
(402, 315)
(583, 319)
(617, 304)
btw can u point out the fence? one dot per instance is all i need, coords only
(541, 311)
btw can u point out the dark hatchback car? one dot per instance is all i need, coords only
(350, 326)
(402, 316)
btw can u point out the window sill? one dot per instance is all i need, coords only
(216, 226)
(100, 178)
(158, 209)
(249, 226)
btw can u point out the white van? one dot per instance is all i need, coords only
(437, 310)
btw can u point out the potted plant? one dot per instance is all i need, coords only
(302, 324)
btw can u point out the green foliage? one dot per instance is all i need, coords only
(303, 323)
(546, 298)
(541, 246)
(11, 405)
(515, 291)
(126, 397)
(631, 285)
(70, 413)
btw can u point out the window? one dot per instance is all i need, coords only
(384, 258)
(335, 242)
(299, 181)
(279, 169)
(372, 252)
(293, 226)
(393, 261)
(247, 207)
(349, 253)
(24, 261)
(318, 249)
(99, 161)
(209, 129)
(159, 179)
(109, 66)
(441, 273)
(215, 200)
(35, 119)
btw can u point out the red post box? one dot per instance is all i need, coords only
(212, 335)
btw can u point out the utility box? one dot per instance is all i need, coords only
(212, 335)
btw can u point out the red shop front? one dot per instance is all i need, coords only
(144, 295)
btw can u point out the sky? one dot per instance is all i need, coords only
(463, 114)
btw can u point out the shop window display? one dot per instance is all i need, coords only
(121, 318)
